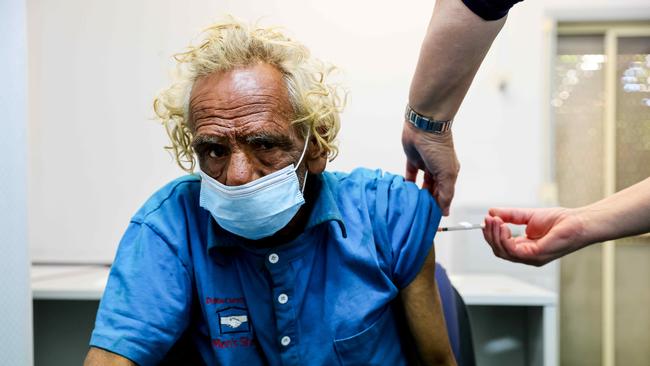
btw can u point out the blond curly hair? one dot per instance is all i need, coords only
(234, 43)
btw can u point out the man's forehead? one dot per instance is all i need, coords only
(249, 104)
(238, 85)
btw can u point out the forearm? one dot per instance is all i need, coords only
(622, 214)
(455, 44)
(424, 315)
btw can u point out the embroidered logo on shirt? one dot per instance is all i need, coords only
(233, 320)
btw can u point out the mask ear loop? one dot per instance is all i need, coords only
(304, 150)
(304, 182)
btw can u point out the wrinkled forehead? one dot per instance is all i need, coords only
(240, 95)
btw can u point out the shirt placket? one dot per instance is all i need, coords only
(282, 278)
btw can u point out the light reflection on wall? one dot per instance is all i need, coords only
(574, 68)
(636, 77)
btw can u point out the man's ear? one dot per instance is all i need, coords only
(316, 158)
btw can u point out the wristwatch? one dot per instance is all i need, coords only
(427, 124)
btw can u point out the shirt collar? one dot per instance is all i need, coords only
(324, 210)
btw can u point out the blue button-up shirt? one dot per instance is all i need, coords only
(327, 297)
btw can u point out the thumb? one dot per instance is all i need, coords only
(517, 216)
(445, 194)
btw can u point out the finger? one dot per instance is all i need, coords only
(507, 242)
(504, 239)
(541, 253)
(487, 230)
(496, 235)
(539, 229)
(430, 185)
(525, 248)
(528, 252)
(411, 172)
(517, 216)
(445, 194)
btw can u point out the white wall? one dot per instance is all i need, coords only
(15, 301)
(95, 66)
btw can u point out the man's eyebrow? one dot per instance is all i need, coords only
(201, 140)
(281, 141)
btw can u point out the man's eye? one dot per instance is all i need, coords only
(216, 152)
(264, 145)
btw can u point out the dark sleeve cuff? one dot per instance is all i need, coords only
(490, 9)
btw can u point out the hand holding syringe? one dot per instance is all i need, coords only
(463, 225)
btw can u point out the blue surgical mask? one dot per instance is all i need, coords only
(257, 209)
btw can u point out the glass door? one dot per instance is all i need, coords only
(601, 111)
(632, 149)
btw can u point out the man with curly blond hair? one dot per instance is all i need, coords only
(263, 257)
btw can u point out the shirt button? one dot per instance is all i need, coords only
(283, 298)
(285, 341)
(274, 258)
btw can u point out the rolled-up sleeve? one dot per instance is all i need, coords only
(145, 307)
(411, 221)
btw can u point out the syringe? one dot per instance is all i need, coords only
(462, 226)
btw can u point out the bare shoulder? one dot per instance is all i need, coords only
(100, 357)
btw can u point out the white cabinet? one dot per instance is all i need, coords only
(513, 322)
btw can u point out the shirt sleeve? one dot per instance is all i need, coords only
(411, 221)
(490, 9)
(147, 301)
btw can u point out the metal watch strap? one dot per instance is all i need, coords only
(427, 124)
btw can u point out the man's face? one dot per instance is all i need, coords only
(241, 124)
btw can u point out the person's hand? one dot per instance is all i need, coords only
(436, 157)
(550, 233)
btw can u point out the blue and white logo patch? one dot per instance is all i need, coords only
(233, 320)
